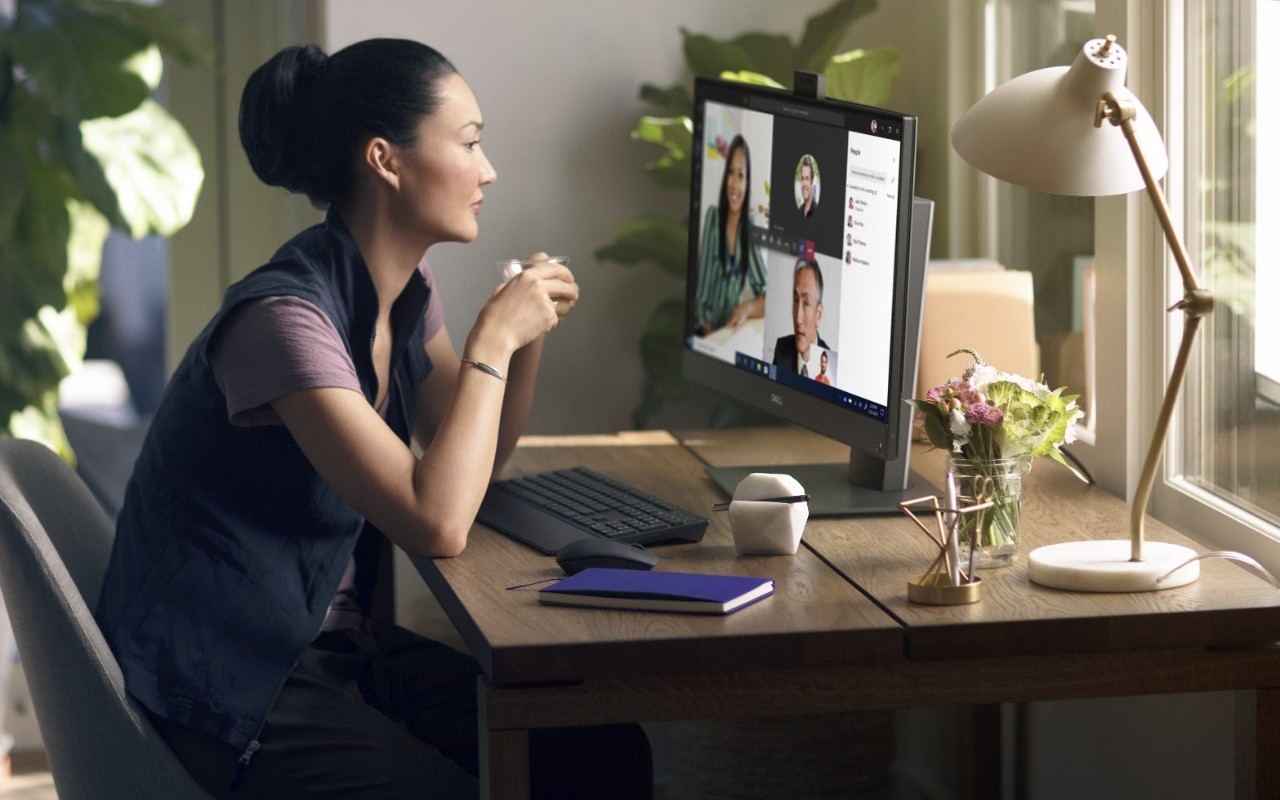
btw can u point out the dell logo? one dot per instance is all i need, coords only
(776, 398)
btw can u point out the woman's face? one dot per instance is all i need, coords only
(444, 174)
(736, 180)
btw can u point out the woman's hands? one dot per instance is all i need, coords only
(522, 310)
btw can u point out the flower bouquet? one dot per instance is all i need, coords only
(992, 424)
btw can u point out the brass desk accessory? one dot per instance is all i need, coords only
(948, 581)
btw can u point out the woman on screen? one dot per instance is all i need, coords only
(278, 464)
(727, 258)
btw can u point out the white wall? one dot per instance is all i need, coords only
(558, 85)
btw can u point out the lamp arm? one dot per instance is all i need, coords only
(1138, 513)
(1196, 303)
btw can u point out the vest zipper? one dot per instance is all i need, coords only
(242, 763)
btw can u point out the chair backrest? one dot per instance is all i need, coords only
(55, 542)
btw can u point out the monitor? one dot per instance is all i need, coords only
(806, 279)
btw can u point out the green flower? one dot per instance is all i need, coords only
(1034, 420)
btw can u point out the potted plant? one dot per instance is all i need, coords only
(863, 76)
(83, 148)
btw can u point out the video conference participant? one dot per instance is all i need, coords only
(808, 187)
(809, 157)
(238, 590)
(822, 376)
(727, 257)
(797, 351)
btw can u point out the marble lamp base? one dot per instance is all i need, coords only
(1104, 566)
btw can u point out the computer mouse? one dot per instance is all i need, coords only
(578, 555)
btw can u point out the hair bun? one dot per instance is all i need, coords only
(310, 64)
(272, 110)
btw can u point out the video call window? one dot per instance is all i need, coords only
(796, 251)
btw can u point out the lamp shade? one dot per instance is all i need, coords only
(1038, 129)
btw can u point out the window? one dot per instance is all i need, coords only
(1225, 453)
(1050, 236)
(1203, 68)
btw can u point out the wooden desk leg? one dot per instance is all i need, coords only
(1258, 742)
(979, 753)
(504, 765)
(504, 757)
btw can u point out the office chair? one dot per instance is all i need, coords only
(55, 541)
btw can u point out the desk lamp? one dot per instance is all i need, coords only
(1054, 130)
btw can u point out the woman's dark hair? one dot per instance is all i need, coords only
(744, 224)
(303, 113)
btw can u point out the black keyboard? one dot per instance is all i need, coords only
(547, 510)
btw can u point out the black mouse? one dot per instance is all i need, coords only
(578, 555)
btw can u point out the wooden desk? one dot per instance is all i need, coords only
(820, 644)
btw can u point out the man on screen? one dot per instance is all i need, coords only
(808, 195)
(797, 351)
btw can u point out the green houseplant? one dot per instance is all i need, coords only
(83, 148)
(863, 76)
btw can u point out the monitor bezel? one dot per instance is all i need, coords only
(881, 439)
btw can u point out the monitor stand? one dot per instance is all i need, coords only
(866, 486)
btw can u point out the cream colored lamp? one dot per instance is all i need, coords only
(1078, 131)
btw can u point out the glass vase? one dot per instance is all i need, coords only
(995, 532)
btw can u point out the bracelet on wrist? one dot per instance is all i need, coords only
(485, 368)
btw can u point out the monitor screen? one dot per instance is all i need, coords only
(803, 298)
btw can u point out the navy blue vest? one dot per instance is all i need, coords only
(229, 546)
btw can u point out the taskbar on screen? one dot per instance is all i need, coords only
(809, 386)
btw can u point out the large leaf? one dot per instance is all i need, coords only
(153, 166)
(84, 63)
(47, 347)
(33, 259)
(675, 101)
(89, 231)
(40, 422)
(652, 238)
(770, 54)
(39, 344)
(707, 56)
(672, 171)
(675, 135)
(181, 41)
(746, 76)
(86, 171)
(824, 31)
(863, 76)
(13, 177)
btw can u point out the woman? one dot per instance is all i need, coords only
(727, 257)
(238, 589)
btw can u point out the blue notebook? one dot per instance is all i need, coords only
(686, 592)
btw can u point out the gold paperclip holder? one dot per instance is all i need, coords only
(948, 581)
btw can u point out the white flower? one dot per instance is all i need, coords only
(982, 375)
(960, 428)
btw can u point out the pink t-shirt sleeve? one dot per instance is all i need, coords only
(273, 346)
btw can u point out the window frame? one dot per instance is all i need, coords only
(1131, 301)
